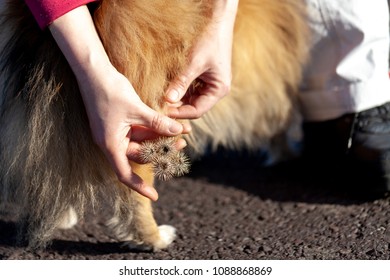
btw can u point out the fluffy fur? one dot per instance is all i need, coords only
(50, 166)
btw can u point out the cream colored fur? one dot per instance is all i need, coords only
(49, 163)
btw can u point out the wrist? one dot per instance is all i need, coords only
(225, 8)
(93, 67)
(78, 40)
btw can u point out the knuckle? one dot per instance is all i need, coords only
(124, 177)
(226, 87)
(181, 82)
(198, 114)
(121, 177)
(158, 122)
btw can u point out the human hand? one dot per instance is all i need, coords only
(120, 121)
(209, 64)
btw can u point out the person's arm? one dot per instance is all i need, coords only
(210, 61)
(46, 11)
(119, 120)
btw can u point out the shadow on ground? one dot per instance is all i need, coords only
(232, 207)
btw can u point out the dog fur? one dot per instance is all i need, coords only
(50, 166)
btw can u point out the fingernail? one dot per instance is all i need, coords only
(187, 128)
(173, 95)
(175, 128)
(151, 193)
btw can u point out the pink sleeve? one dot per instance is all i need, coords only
(46, 11)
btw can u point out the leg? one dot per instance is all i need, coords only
(133, 220)
(346, 89)
(348, 69)
(69, 219)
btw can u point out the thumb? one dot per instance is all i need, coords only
(162, 124)
(179, 86)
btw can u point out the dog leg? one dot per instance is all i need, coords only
(69, 219)
(134, 221)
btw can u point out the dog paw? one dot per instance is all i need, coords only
(69, 219)
(167, 235)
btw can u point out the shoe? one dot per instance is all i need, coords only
(355, 147)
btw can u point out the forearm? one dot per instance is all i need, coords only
(210, 62)
(46, 11)
(78, 40)
(225, 10)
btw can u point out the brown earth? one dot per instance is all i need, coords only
(232, 207)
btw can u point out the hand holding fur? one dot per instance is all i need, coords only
(209, 64)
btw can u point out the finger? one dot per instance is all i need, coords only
(142, 133)
(161, 124)
(186, 127)
(184, 112)
(200, 106)
(125, 175)
(179, 86)
(138, 185)
(176, 104)
(180, 144)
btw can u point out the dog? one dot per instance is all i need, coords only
(50, 166)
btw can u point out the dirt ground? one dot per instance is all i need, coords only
(232, 207)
